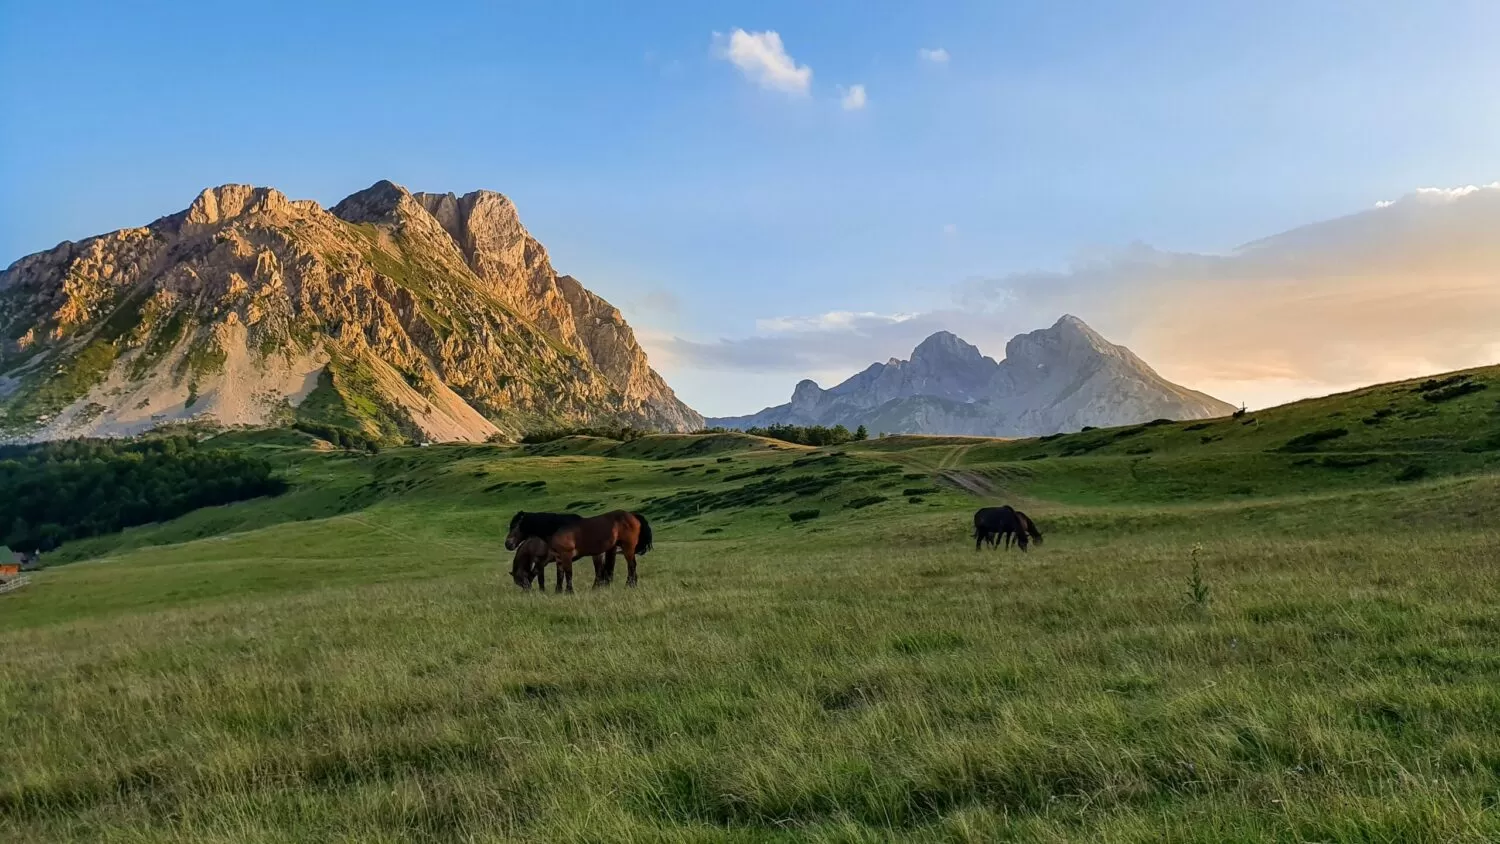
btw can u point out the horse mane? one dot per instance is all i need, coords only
(644, 543)
(542, 525)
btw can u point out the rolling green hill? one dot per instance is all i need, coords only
(350, 661)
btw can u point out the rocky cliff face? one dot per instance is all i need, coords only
(430, 316)
(1055, 379)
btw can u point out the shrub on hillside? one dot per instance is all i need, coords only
(619, 433)
(1412, 473)
(1454, 391)
(337, 435)
(803, 515)
(1439, 383)
(1311, 439)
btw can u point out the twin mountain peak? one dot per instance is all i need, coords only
(439, 317)
(1061, 378)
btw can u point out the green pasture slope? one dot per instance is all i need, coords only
(350, 662)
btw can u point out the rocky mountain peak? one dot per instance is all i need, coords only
(226, 202)
(383, 202)
(433, 317)
(945, 346)
(1068, 341)
(806, 391)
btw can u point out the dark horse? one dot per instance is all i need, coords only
(530, 563)
(569, 536)
(991, 524)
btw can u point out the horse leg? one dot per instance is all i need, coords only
(564, 571)
(599, 576)
(541, 576)
(630, 566)
(978, 539)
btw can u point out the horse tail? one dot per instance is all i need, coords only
(643, 544)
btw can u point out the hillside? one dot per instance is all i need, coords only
(1061, 378)
(1239, 629)
(423, 316)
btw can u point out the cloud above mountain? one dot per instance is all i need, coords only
(763, 59)
(1409, 287)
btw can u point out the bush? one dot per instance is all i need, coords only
(920, 490)
(1311, 439)
(1453, 392)
(619, 433)
(346, 438)
(803, 515)
(1439, 383)
(861, 503)
(1411, 473)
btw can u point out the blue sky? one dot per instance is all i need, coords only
(710, 201)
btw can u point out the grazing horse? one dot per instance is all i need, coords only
(1026, 531)
(569, 536)
(530, 563)
(992, 524)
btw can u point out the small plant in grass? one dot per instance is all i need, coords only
(803, 515)
(1197, 589)
(1412, 473)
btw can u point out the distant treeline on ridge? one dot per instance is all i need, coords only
(802, 434)
(70, 489)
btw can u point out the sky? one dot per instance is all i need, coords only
(778, 190)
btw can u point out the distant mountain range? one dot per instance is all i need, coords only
(1061, 378)
(404, 315)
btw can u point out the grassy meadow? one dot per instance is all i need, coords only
(350, 661)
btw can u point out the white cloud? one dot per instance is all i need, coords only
(763, 60)
(950, 230)
(1361, 299)
(1439, 194)
(852, 98)
(936, 55)
(831, 321)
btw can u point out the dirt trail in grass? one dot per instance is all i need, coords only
(971, 482)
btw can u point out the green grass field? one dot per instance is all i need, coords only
(350, 661)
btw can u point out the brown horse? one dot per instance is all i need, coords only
(530, 563)
(1026, 531)
(569, 537)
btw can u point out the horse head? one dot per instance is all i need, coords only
(513, 537)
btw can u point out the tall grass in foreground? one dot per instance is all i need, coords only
(1343, 688)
